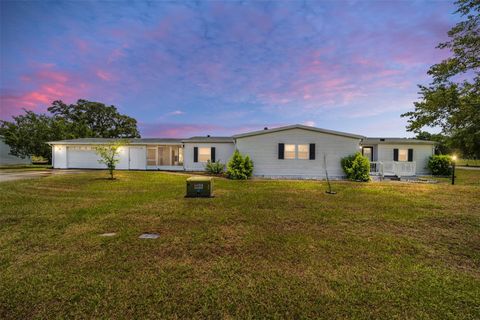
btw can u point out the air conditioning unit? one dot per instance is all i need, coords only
(199, 187)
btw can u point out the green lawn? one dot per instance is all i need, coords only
(259, 249)
(468, 162)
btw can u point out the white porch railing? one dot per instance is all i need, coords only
(392, 168)
(376, 169)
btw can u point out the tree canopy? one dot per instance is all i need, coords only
(94, 120)
(452, 100)
(29, 133)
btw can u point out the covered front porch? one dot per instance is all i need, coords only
(388, 160)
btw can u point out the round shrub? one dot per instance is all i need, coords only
(239, 167)
(356, 167)
(440, 165)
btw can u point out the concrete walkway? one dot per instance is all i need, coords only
(19, 174)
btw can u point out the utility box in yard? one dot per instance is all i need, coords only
(199, 187)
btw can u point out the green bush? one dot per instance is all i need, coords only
(239, 167)
(440, 165)
(356, 167)
(214, 167)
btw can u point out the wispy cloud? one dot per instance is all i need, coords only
(176, 113)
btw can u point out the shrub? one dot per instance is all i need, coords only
(239, 167)
(214, 167)
(356, 167)
(440, 165)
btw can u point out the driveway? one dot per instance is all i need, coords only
(19, 174)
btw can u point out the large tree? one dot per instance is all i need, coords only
(452, 100)
(94, 119)
(443, 142)
(28, 134)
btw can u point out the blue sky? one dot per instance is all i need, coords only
(213, 67)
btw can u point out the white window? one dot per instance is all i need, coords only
(303, 151)
(402, 155)
(204, 154)
(289, 151)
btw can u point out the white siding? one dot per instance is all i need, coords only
(223, 153)
(421, 153)
(263, 149)
(59, 156)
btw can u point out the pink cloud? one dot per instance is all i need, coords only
(82, 45)
(104, 75)
(44, 86)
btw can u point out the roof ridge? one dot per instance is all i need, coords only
(298, 126)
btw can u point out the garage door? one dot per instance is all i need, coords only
(83, 157)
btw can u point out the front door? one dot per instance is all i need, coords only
(137, 158)
(368, 152)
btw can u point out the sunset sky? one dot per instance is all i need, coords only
(220, 68)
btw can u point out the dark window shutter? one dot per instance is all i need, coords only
(395, 154)
(212, 154)
(410, 155)
(195, 154)
(311, 154)
(281, 151)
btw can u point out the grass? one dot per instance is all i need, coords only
(259, 249)
(468, 162)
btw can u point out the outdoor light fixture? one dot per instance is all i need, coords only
(454, 159)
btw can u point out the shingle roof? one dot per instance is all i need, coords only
(395, 141)
(299, 126)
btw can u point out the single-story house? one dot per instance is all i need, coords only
(295, 151)
(7, 159)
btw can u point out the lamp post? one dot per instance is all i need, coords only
(454, 158)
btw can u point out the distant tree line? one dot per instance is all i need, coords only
(28, 134)
(451, 101)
